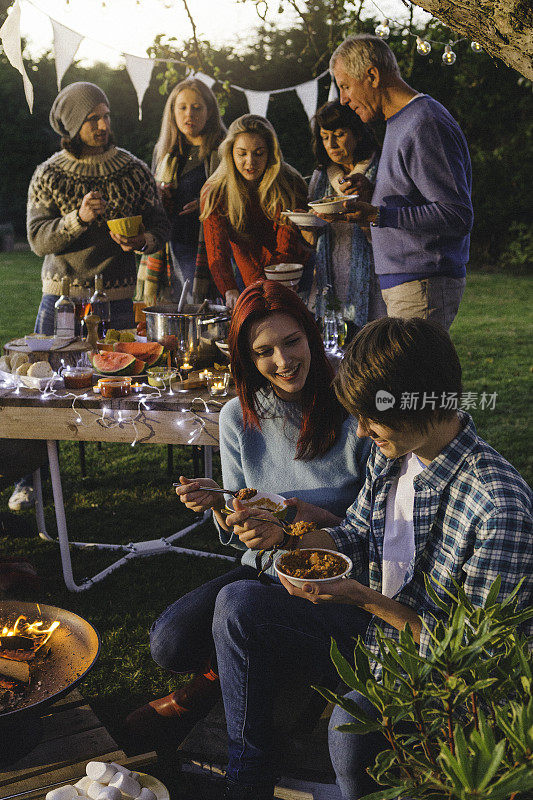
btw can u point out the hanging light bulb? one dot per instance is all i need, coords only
(422, 46)
(448, 57)
(383, 30)
(476, 47)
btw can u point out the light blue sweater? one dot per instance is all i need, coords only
(265, 460)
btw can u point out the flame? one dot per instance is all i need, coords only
(32, 630)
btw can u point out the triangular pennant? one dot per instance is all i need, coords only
(140, 72)
(257, 102)
(205, 79)
(333, 92)
(10, 37)
(66, 43)
(308, 94)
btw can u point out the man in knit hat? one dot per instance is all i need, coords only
(71, 196)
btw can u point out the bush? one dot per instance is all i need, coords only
(470, 703)
(517, 257)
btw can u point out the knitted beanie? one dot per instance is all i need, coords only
(72, 105)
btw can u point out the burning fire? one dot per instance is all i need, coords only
(30, 630)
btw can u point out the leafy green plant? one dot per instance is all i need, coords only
(468, 704)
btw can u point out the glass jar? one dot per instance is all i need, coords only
(77, 377)
(218, 383)
(114, 387)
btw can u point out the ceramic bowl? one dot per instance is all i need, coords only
(299, 582)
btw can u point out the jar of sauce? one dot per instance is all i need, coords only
(115, 387)
(78, 377)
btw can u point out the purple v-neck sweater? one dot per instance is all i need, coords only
(423, 190)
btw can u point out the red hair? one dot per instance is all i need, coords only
(322, 414)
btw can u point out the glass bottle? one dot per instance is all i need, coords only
(65, 313)
(100, 305)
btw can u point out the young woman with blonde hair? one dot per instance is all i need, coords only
(184, 156)
(241, 205)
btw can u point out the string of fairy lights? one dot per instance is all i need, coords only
(189, 419)
(424, 45)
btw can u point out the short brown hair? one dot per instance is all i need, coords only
(406, 359)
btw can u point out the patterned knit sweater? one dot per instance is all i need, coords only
(80, 250)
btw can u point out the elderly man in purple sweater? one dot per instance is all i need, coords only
(420, 212)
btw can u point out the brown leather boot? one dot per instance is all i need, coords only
(166, 721)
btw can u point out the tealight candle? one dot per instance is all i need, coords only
(204, 374)
(218, 384)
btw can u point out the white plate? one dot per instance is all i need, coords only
(331, 206)
(39, 384)
(158, 788)
(305, 219)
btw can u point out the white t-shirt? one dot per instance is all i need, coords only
(399, 539)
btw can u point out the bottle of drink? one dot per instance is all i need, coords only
(100, 305)
(65, 313)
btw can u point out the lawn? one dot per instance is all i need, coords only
(492, 334)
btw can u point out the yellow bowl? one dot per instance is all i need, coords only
(125, 226)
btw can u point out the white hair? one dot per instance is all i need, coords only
(358, 53)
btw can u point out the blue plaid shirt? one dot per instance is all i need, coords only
(472, 519)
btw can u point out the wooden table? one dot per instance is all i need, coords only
(149, 417)
(72, 735)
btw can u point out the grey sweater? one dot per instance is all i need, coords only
(81, 251)
(265, 459)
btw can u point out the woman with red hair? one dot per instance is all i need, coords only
(285, 433)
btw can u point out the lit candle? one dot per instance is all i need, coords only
(204, 375)
(218, 387)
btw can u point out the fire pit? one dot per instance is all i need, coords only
(61, 648)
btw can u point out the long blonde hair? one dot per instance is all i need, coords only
(226, 190)
(172, 140)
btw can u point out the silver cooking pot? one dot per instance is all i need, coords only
(194, 327)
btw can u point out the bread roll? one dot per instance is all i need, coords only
(40, 369)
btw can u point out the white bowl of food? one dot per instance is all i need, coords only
(287, 274)
(264, 501)
(331, 204)
(313, 565)
(304, 219)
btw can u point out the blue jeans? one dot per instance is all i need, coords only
(263, 636)
(181, 638)
(352, 753)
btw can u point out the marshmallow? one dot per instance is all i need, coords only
(126, 784)
(94, 789)
(147, 794)
(110, 793)
(63, 793)
(83, 784)
(99, 771)
(120, 768)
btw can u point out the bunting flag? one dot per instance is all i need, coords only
(10, 37)
(333, 92)
(140, 72)
(308, 94)
(66, 43)
(257, 102)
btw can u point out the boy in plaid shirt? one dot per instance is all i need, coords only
(437, 500)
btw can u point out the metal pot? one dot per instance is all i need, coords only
(193, 326)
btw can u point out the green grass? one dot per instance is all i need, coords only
(127, 495)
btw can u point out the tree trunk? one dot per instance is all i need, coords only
(504, 28)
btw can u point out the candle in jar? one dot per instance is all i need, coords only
(218, 387)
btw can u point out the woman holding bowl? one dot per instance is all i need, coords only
(285, 433)
(344, 148)
(241, 206)
(184, 157)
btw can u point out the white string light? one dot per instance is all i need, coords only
(448, 57)
(423, 46)
(476, 47)
(383, 30)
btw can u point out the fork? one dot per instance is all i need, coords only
(227, 491)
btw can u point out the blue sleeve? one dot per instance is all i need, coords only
(231, 460)
(438, 164)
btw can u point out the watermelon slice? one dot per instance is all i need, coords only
(109, 363)
(150, 352)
